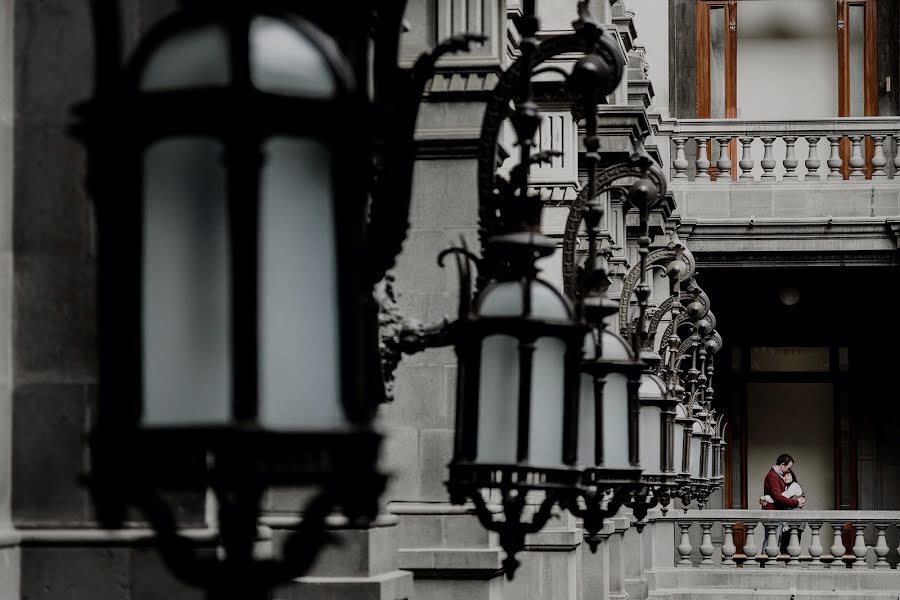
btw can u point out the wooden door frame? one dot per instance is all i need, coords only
(832, 376)
(870, 68)
(704, 107)
(870, 73)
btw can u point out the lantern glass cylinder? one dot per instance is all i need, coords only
(499, 383)
(299, 332)
(696, 444)
(612, 397)
(651, 390)
(680, 434)
(193, 239)
(186, 288)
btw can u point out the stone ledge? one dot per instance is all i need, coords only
(394, 585)
(475, 563)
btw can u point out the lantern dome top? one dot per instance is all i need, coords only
(612, 345)
(287, 56)
(505, 299)
(652, 387)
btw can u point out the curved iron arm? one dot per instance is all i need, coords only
(635, 167)
(398, 96)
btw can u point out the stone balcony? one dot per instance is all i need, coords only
(786, 186)
(846, 554)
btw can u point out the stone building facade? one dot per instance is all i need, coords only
(801, 270)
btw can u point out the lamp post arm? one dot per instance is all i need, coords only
(397, 99)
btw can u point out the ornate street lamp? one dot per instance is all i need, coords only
(238, 334)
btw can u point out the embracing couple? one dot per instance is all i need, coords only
(781, 490)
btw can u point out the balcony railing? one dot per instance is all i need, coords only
(815, 539)
(788, 151)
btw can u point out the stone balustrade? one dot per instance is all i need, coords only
(761, 543)
(770, 151)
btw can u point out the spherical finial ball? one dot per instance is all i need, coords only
(712, 345)
(643, 194)
(676, 270)
(695, 310)
(704, 327)
(593, 73)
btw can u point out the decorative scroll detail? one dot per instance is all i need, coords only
(605, 183)
(497, 109)
(661, 255)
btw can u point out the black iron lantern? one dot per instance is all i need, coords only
(519, 348)
(238, 333)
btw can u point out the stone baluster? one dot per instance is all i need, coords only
(837, 547)
(750, 547)
(746, 162)
(834, 161)
(881, 547)
(706, 545)
(728, 547)
(812, 161)
(771, 546)
(724, 162)
(702, 161)
(684, 546)
(790, 159)
(680, 164)
(815, 546)
(859, 547)
(896, 154)
(857, 162)
(878, 159)
(793, 548)
(768, 161)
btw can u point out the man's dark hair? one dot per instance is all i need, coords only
(784, 459)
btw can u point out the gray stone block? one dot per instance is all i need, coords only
(750, 201)
(445, 196)
(706, 203)
(418, 263)
(396, 585)
(358, 553)
(151, 579)
(401, 462)
(95, 573)
(457, 589)
(420, 531)
(49, 428)
(52, 37)
(420, 398)
(436, 449)
(463, 531)
(55, 327)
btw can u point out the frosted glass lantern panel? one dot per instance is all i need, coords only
(498, 399)
(547, 389)
(194, 58)
(186, 285)
(615, 422)
(586, 421)
(505, 300)
(678, 455)
(283, 60)
(650, 432)
(299, 355)
(695, 456)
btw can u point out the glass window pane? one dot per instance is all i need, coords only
(192, 58)
(856, 33)
(299, 355)
(186, 288)
(790, 359)
(717, 62)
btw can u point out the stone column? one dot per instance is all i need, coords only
(617, 559)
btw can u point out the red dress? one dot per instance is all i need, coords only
(774, 486)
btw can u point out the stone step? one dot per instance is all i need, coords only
(751, 594)
(780, 581)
